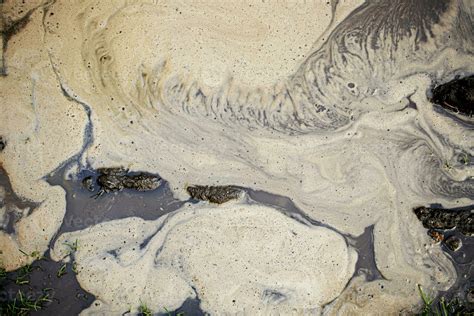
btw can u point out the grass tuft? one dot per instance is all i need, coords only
(62, 271)
(443, 308)
(143, 310)
(24, 305)
(72, 246)
(23, 276)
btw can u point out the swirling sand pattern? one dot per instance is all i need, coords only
(331, 112)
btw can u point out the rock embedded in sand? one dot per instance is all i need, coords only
(117, 179)
(88, 183)
(214, 194)
(453, 243)
(436, 235)
(456, 95)
(443, 219)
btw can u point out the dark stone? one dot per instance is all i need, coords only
(88, 183)
(456, 96)
(3, 143)
(453, 243)
(142, 182)
(443, 219)
(214, 194)
(470, 295)
(435, 235)
(117, 179)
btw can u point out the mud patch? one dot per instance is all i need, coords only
(456, 95)
(214, 194)
(117, 179)
(444, 219)
(43, 287)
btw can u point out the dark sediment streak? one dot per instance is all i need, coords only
(13, 204)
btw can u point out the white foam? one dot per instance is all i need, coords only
(238, 258)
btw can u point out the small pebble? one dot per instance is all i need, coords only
(88, 183)
(453, 243)
(436, 236)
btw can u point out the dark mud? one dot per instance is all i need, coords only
(117, 179)
(51, 285)
(456, 96)
(444, 219)
(214, 194)
(453, 243)
(453, 229)
(54, 288)
(84, 209)
(463, 289)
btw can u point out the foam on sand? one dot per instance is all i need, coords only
(235, 257)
